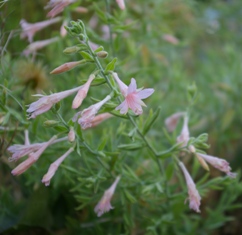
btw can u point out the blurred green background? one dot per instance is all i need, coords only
(207, 53)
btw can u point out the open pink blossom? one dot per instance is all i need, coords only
(88, 114)
(57, 6)
(29, 29)
(33, 157)
(133, 96)
(194, 196)
(104, 205)
(46, 102)
(121, 4)
(218, 163)
(82, 93)
(53, 168)
(34, 46)
(171, 121)
(184, 136)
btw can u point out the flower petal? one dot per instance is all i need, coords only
(145, 93)
(132, 86)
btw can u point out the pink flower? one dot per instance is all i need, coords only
(29, 30)
(53, 168)
(57, 6)
(63, 31)
(46, 102)
(171, 39)
(87, 115)
(194, 196)
(133, 96)
(171, 121)
(34, 46)
(218, 163)
(104, 204)
(184, 136)
(121, 4)
(33, 157)
(99, 119)
(66, 67)
(82, 93)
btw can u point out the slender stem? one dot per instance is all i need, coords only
(62, 120)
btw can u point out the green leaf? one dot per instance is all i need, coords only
(133, 146)
(129, 196)
(99, 49)
(86, 56)
(169, 171)
(150, 120)
(102, 144)
(111, 65)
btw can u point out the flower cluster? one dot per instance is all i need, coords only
(183, 139)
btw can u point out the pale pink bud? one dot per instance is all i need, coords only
(104, 205)
(71, 135)
(66, 67)
(26, 137)
(171, 39)
(194, 196)
(46, 102)
(53, 168)
(184, 136)
(63, 31)
(218, 163)
(99, 119)
(34, 46)
(171, 121)
(30, 29)
(82, 93)
(88, 114)
(202, 162)
(133, 98)
(33, 157)
(121, 4)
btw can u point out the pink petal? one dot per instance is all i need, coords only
(145, 93)
(132, 86)
(123, 107)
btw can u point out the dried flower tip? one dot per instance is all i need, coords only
(218, 163)
(66, 67)
(171, 121)
(82, 93)
(194, 196)
(53, 168)
(104, 205)
(184, 136)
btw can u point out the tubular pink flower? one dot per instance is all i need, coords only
(104, 205)
(82, 93)
(184, 136)
(87, 115)
(53, 168)
(46, 102)
(66, 67)
(63, 31)
(171, 121)
(57, 6)
(170, 38)
(218, 163)
(33, 157)
(29, 30)
(99, 119)
(34, 46)
(194, 196)
(121, 4)
(71, 135)
(133, 96)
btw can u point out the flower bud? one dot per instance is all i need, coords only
(50, 123)
(71, 50)
(102, 54)
(66, 67)
(71, 135)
